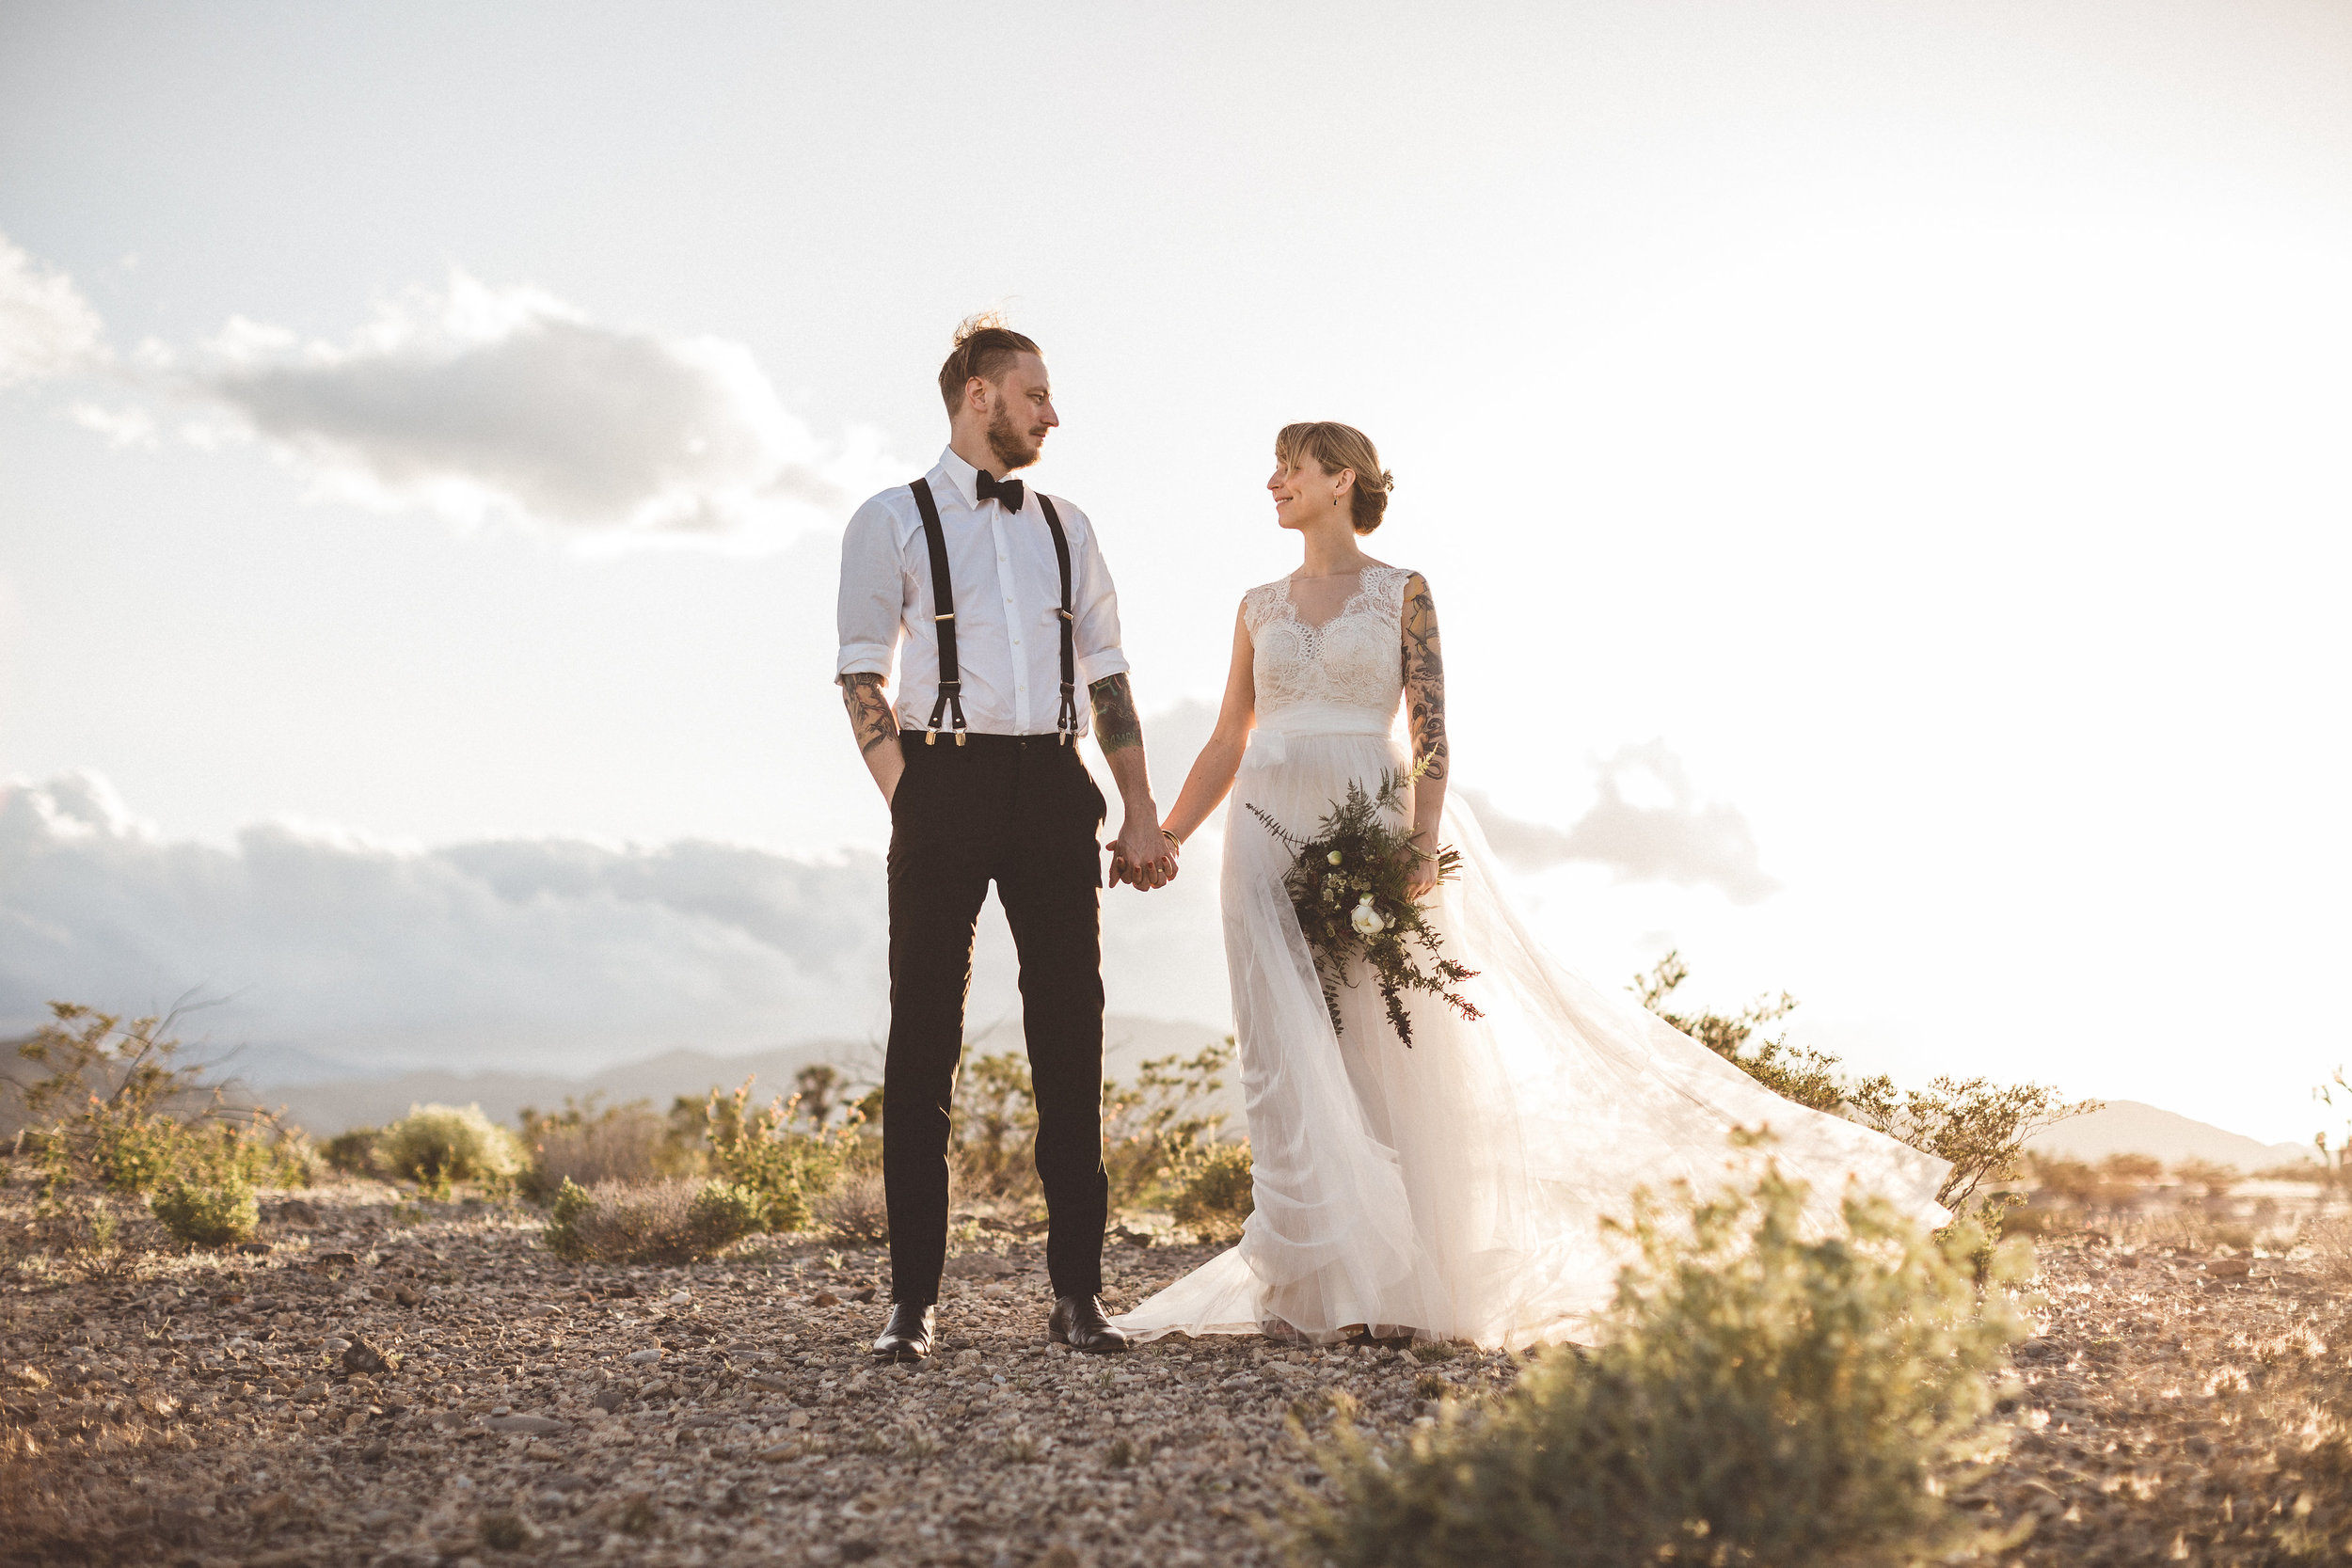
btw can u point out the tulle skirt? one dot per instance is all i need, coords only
(1457, 1189)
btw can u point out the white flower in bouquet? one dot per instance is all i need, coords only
(1366, 919)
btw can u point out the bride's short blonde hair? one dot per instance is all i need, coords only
(1336, 446)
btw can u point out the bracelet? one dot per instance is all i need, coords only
(1172, 838)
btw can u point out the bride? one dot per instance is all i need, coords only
(1455, 1189)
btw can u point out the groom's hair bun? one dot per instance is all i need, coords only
(1336, 446)
(985, 347)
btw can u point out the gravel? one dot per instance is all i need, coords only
(403, 1384)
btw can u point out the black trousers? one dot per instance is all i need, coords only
(1024, 813)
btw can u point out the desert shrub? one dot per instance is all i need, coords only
(108, 1105)
(816, 1089)
(1217, 1197)
(583, 1144)
(993, 1124)
(2335, 1156)
(439, 1145)
(1156, 1135)
(207, 1214)
(1978, 1126)
(1793, 1073)
(1155, 1131)
(353, 1152)
(1758, 1397)
(661, 1223)
(2209, 1180)
(763, 1152)
(857, 1209)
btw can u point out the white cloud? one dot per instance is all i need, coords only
(1648, 824)
(482, 404)
(127, 426)
(553, 954)
(46, 327)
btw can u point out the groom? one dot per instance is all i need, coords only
(997, 604)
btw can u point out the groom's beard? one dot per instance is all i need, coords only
(1013, 448)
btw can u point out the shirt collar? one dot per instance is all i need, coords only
(965, 478)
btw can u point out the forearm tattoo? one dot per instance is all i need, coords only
(1116, 726)
(1424, 679)
(870, 718)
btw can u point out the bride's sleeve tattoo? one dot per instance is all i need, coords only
(1116, 726)
(870, 718)
(1424, 678)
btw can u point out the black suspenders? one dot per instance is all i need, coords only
(943, 617)
(1066, 722)
(950, 700)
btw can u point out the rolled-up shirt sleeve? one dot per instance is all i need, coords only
(1096, 640)
(871, 593)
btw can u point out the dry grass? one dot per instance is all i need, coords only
(856, 1209)
(660, 1222)
(623, 1145)
(2327, 1240)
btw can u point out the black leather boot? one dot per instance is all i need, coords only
(907, 1335)
(1078, 1322)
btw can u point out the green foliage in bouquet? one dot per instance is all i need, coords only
(1351, 886)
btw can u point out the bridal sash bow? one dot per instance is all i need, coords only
(1269, 743)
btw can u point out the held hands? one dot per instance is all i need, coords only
(1143, 856)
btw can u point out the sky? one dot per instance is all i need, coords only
(1879, 469)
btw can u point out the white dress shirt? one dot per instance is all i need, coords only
(1008, 588)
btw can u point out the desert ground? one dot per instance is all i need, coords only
(385, 1381)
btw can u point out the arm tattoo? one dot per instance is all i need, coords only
(1116, 725)
(870, 718)
(1424, 678)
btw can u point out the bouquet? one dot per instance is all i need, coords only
(1349, 886)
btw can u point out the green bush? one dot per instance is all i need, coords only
(1758, 1397)
(1218, 1197)
(353, 1152)
(765, 1154)
(210, 1214)
(439, 1146)
(665, 1222)
(1156, 1135)
(111, 1107)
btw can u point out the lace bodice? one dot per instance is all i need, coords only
(1353, 660)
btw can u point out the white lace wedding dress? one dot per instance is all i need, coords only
(1454, 1189)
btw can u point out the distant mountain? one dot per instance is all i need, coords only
(327, 1107)
(2128, 1127)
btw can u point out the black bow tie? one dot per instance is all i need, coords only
(1006, 492)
